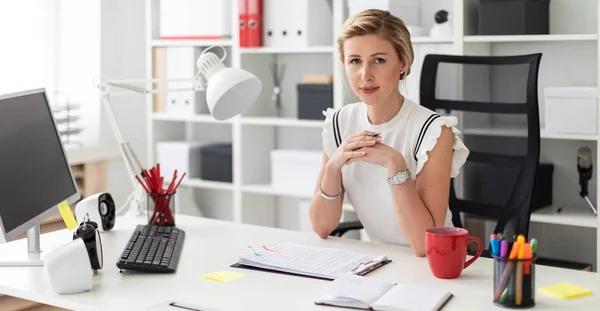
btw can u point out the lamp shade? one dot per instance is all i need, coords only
(229, 91)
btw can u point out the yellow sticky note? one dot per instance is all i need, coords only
(223, 276)
(565, 291)
(67, 215)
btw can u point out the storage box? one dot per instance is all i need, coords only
(180, 63)
(571, 110)
(497, 182)
(183, 156)
(217, 162)
(514, 17)
(407, 10)
(295, 170)
(195, 19)
(310, 24)
(313, 99)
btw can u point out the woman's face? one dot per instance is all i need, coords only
(372, 67)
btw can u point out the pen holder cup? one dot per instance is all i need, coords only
(161, 209)
(514, 283)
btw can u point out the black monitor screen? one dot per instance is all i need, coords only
(34, 174)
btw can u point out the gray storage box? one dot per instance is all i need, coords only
(217, 162)
(313, 99)
(514, 17)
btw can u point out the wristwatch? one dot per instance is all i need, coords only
(399, 178)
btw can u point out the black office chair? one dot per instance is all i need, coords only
(493, 87)
(479, 72)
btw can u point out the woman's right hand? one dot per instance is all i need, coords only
(349, 149)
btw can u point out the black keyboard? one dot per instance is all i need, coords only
(152, 249)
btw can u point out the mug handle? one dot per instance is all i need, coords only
(479, 250)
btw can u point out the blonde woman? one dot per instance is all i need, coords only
(392, 158)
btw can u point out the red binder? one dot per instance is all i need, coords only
(243, 4)
(255, 11)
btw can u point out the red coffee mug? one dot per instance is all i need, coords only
(446, 249)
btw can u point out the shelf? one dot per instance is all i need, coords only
(191, 43)
(569, 216)
(207, 184)
(286, 50)
(274, 121)
(92, 153)
(431, 40)
(200, 118)
(532, 38)
(518, 132)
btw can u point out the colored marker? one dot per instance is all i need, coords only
(493, 244)
(520, 256)
(533, 244)
(506, 274)
(527, 254)
(504, 248)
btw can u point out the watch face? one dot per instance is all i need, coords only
(399, 178)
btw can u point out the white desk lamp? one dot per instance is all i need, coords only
(229, 91)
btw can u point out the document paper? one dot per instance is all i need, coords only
(321, 262)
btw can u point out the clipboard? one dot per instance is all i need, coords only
(361, 269)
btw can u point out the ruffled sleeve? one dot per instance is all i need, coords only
(327, 135)
(459, 157)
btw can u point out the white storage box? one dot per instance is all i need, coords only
(571, 110)
(310, 24)
(195, 19)
(181, 155)
(295, 170)
(407, 10)
(181, 64)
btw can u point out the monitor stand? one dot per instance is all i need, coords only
(13, 254)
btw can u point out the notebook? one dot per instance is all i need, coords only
(318, 262)
(360, 292)
(565, 291)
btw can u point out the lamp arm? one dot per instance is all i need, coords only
(124, 148)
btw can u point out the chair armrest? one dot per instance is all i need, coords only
(344, 227)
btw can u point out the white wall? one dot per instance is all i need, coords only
(78, 62)
(122, 57)
(23, 65)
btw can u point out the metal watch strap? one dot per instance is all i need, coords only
(400, 178)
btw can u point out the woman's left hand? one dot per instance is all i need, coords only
(382, 155)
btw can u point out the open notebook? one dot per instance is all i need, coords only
(318, 262)
(359, 292)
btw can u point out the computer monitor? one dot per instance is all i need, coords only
(35, 175)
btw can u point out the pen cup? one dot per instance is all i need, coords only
(161, 209)
(514, 282)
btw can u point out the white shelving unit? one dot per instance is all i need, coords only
(570, 57)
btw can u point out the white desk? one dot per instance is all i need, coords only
(213, 245)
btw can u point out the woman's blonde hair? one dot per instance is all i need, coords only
(384, 24)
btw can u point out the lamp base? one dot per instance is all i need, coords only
(136, 201)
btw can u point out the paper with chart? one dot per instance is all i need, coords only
(322, 262)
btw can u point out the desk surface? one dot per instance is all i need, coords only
(213, 245)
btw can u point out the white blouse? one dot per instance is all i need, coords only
(413, 131)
